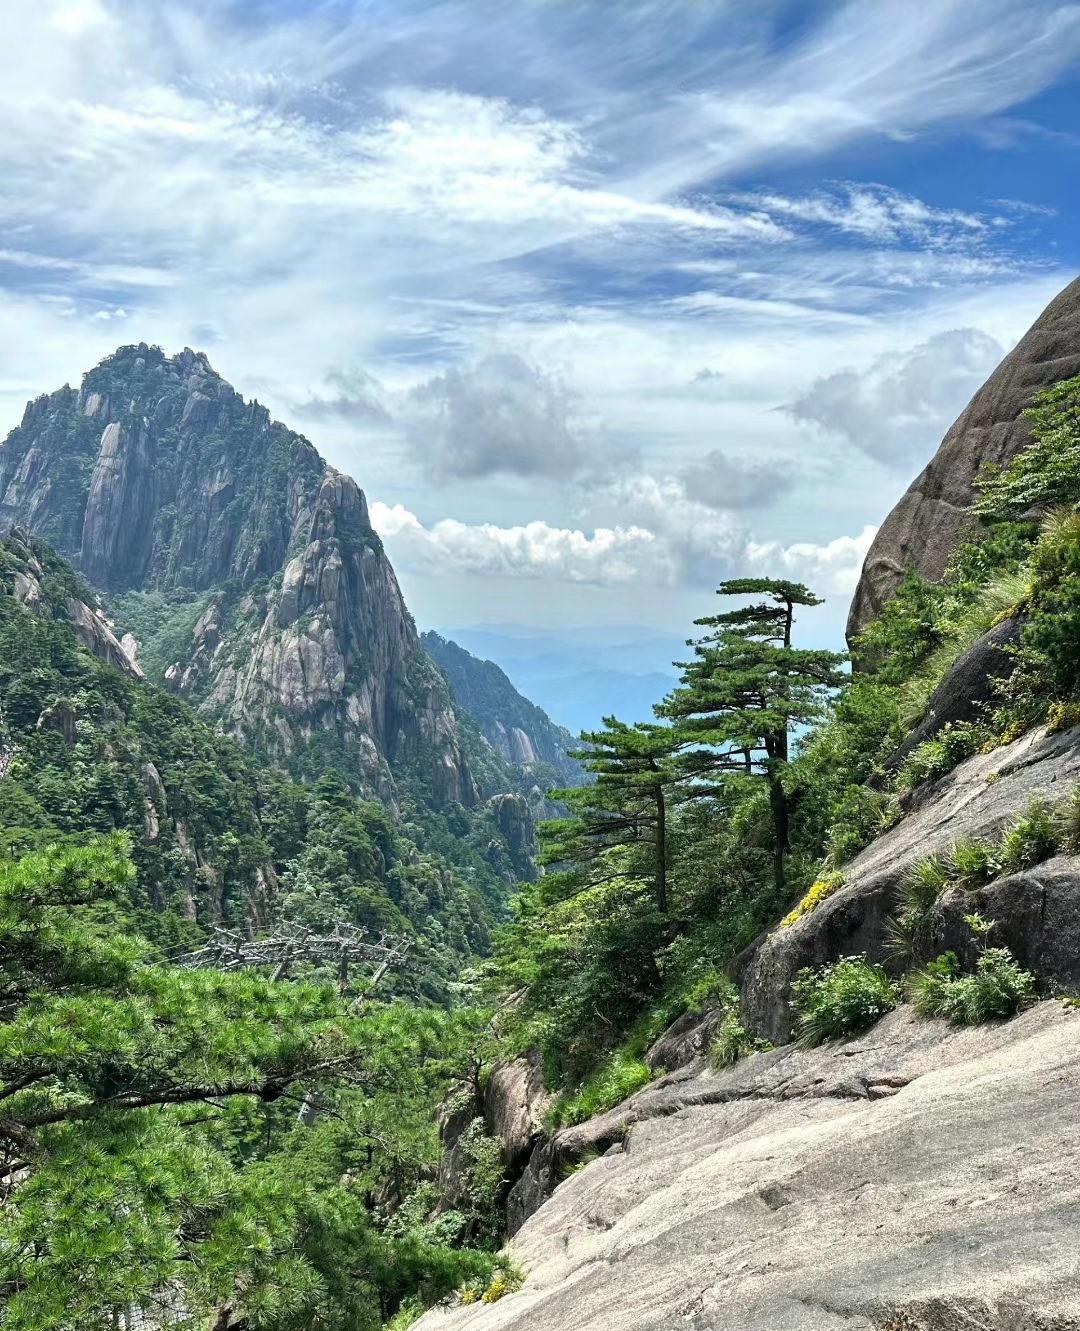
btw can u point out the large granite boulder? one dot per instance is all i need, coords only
(916, 1178)
(967, 689)
(976, 800)
(515, 1103)
(924, 528)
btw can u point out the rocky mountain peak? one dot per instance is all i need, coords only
(157, 479)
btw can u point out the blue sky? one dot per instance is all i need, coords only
(598, 302)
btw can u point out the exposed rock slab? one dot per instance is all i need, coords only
(917, 1178)
(926, 525)
(967, 687)
(974, 801)
(515, 1102)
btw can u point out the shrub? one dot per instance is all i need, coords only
(841, 999)
(824, 887)
(1030, 840)
(731, 1042)
(920, 890)
(621, 1075)
(971, 863)
(999, 987)
(1066, 817)
(859, 816)
(951, 745)
(1062, 716)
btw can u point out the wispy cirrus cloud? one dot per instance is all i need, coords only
(475, 246)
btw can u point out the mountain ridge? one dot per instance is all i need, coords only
(158, 480)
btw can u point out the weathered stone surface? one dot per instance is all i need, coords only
(118, 524)
(685, 1039)
(917, 1178)
(515, 1103)
(976, 800)
(96, 636)
(966, 687)
(1036, 915)
(924, 528)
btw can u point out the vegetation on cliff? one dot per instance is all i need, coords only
(598, 965)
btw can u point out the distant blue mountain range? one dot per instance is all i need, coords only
(579, 676)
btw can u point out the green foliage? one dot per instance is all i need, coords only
(920, 889)
(745, 690)
(732, 1041)
(935, 757)
(971, 864)
(1029, 840)
(998, 987)
(620, 1076)
(842, 999)
(1047, 471)
(149, 1153)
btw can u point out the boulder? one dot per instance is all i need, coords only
(926, 525)
(967, 689)
(1036, 916)
(976, 800)
(919, 1177)
(515, 1103)
(688, 1037)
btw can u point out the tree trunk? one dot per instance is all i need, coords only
(661, 852)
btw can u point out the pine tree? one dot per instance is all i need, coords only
(626, 805)
(745, 690)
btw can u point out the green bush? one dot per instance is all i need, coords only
(841, 999)
(1030, 840)
(920, 890)
(999, 987)
(1066, 817)
(620, 1076)
(971, 863)
(731, 1042)
(951, 745)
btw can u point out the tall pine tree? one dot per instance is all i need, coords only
(743, 693)
(625, 805)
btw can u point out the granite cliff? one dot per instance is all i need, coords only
(926, 525)
(244, 569)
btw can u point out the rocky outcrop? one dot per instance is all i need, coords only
(926, 525)
(157, 476)
(916, 1178)
(97, 637)
(967, 688)
(687, 1038)
(515, 1103)
(974, 801)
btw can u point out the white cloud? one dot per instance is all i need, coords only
(499, 416)
(610, 555)
(898, 407)
(830, 568)
(668, 540)
(877, 213)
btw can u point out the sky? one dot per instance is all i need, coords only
(599, 302)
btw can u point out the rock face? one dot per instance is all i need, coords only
(974, 801)
(966, 687)
(156, 476)
(514, 1106)
(916, 1178)
(924, 528)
